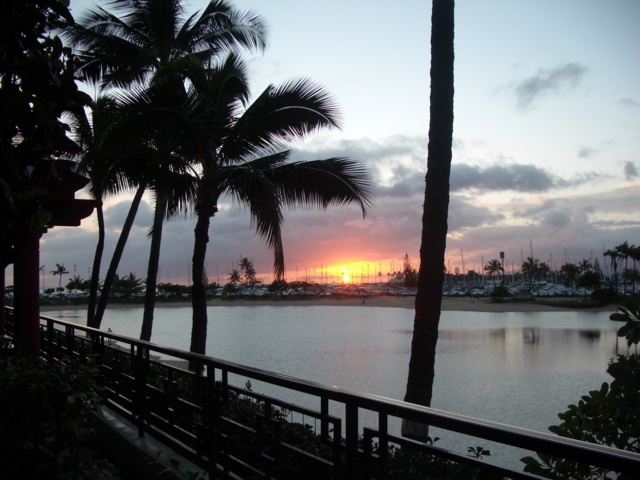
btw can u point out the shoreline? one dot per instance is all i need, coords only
(465, 304)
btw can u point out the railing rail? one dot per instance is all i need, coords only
(231, 431)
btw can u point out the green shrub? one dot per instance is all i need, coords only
(607, 416)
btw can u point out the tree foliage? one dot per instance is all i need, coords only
(37, 86)
(409, 274)
(609, 415)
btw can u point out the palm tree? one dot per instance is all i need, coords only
(624, 251)
(77, 283)
(149, 115)
(241, 152)
(105, 161)
(543, 271)
(139, 40)
(234, 277)
(530, 267)
(614, 255)
(60, 270)
(585, 265)
(570, 272)
(152, 41)
(435, 213)
(494, 267)
(635, 256)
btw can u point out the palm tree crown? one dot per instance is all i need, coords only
(130, 41)
(493, 267)
(241, 150)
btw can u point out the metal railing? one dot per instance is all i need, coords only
(233, 432)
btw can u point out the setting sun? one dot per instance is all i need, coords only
(345, 278)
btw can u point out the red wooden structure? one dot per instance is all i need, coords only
(67, 211)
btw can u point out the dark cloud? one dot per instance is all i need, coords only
(557, 219)
(549, 81)
(517, 177)
(522, 178)
(465, 214)
(630, 171)
(405, 182)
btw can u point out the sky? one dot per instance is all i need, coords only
(546, 152)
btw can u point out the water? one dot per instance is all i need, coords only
(516, 368)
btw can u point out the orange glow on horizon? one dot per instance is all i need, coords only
(354, 272)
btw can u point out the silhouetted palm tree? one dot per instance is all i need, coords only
(494, 267)
(570, 272)
(614, 256)
(133, 41)
(105, 160)
(240, 150)
(635, 256)
(154, 42)
(585, 265)
(435, 213)
(234, 277)
(624, 251)
(60, 270)
(530, 267)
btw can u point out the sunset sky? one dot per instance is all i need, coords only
(546, 139)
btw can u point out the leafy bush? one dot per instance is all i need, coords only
(44, 416)
(499, 292)
(605, 296)
(608, 416)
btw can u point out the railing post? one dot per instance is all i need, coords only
(324, 418)
(211, 421)
(351, 413)
(383, 446)
(141, 369)
(69, 340)
(50, 334)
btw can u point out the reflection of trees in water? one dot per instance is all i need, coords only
(592, 335)
(498, 334)
(531, 336)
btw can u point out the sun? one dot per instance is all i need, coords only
(345, 278)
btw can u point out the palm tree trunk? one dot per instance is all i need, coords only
(117, 255)
(152, 269)
(198, 293)
(95, 271)
(435, 212)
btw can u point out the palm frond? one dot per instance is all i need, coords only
(224, 29)
(281, 115)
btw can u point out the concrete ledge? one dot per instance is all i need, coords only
(144, 457)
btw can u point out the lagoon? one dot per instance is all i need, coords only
(518, 368)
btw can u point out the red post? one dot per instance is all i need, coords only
(27, 297)
(3, 329)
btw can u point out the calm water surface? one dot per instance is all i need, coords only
(515, 368)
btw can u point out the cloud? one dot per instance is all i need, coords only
(546, 82)
(517, 177)
(557, 219)
(587, 152)
(629, 102)
(464, 214)
(630, 171)
(115, 215)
